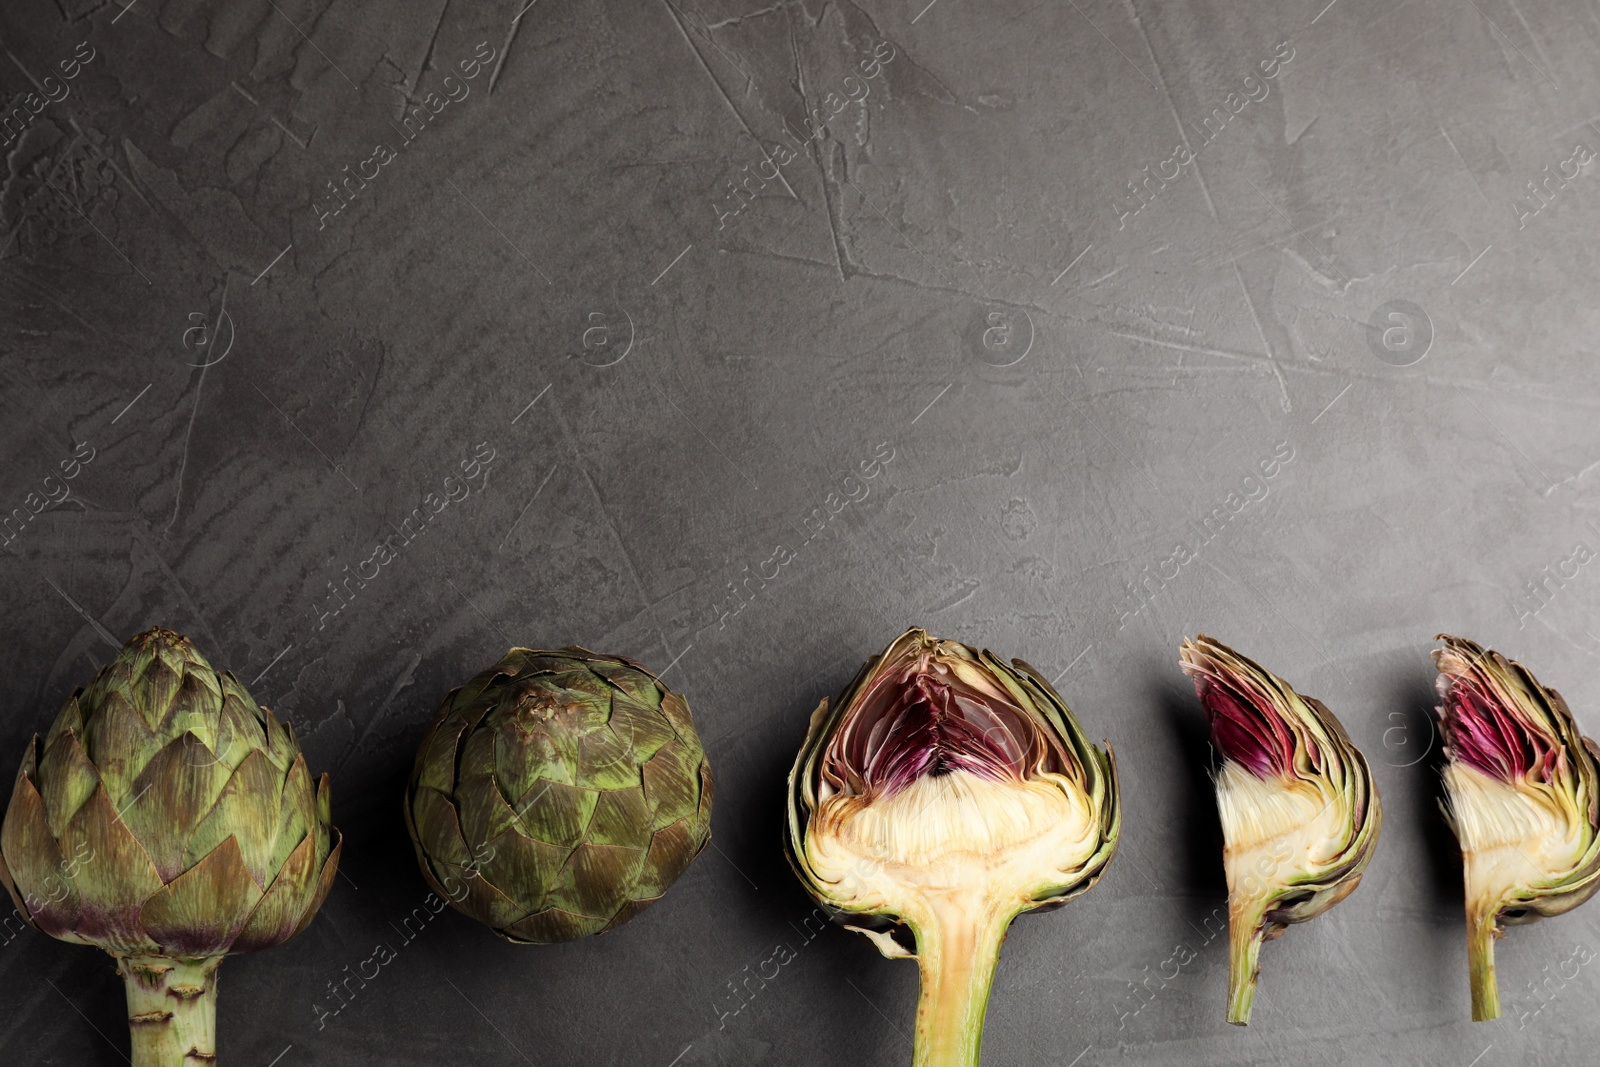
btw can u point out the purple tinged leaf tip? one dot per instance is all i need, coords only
(1484, 728)
(917, 718)
(1245, 731)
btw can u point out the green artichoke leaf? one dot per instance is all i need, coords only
(670, 784)
(248, 810)
(115, 883)
(477, 756)
(606, 761)
(121, 743)
(523, 870)
(672, 848)
(636, 684)
(552, 925)
(34, 872)
(558, 813)
(67, 778)
(171, 796)
(526, 754)
(580, 697)
(436, 758)
(333, 842)
(432, 816)
(301, 813)
(277, 914)
(618, 814)
(643, 729)
(202, 911)
(596, 880)
(484, 812)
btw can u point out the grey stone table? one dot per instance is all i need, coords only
(738, 337)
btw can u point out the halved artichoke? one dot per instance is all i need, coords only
(1522, 790)
(944, 794)
(1300, 811)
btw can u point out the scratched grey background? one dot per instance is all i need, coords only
(680, 398)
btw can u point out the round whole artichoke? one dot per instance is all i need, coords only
(169, 820)
(559, 794)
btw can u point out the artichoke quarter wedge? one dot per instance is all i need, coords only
(1299, 809)
(1522, 792)
(169, 820)
(944, 794)
(558, 794)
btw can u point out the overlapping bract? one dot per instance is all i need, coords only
(941, 796)
(1299, 809)
(559, 794)
(1522, 792)
(166, 814)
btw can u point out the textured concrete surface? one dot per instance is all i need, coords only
(1068, 278)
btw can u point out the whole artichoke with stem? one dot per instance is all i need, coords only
(171, 821)
(1522, 792)
(944, 794)
(1300, 811)
(558, 794)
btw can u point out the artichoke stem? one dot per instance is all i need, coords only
(1481, 934)
(958, 947)
(1244, 963)
(172, 1009)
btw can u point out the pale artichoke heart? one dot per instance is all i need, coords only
(1276, 831)
(1512, 837)
(957, 834)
